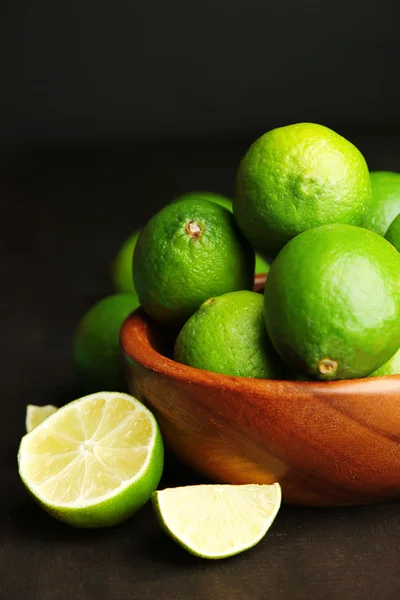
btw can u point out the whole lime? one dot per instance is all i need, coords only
(96, 347)
(297, 177)
(121, 269)
(385, 205)
(393, 233)
(391, 367)
(332, 302)
(227, 335)
(188, 252)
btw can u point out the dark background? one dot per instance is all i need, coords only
(86, 70)
(107, 111)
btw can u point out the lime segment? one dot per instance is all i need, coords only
(217, 521)
(37, 414)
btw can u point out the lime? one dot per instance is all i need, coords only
(391, 367)
(217, 521)
(96, 343)
(227, 335)
(121, 270)
(95, 461)
(37, 414)
(393, 233)
(332, 302)
(188, 252)
(211, 196)
(262, 265)
(297, 177)
(385, 205)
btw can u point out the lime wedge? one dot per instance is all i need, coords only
(95, 461)
(217, 521)
(37, 414)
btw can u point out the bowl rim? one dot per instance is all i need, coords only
(135, 341)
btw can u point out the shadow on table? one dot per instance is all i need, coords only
(30, 521)
(161, 549)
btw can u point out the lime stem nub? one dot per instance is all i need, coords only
(327, 366)
(193, 229)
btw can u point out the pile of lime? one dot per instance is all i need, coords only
(96, 349)
(325, 232)
(330, 309)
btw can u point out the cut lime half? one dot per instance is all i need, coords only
(95, 461)
(217, 521)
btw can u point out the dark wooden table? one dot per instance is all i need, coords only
(63, 215)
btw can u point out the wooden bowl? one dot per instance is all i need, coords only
(327, 444)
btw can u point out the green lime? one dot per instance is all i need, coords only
(332, 302)
(121, 270)
(188, 252)
(211, 196)
(217, 521)
(95, 461)
(262, 265)
(297, 177)
(96, 343)
(227, 335)
(385, 205)
(391, 367)
(393, 233)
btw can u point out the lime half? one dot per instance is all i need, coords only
(94, 462)
(37, 414)
(217, 521)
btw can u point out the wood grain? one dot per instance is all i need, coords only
(335, 443)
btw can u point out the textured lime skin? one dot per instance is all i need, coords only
(297, 177)
(262, 266)
(391, 367)
(393, 233)
(176, 271)
(121, 270)
(96, 347)
(211, 196)
(113, 510)
(385, 204)
(227, 335)
(333, 293)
